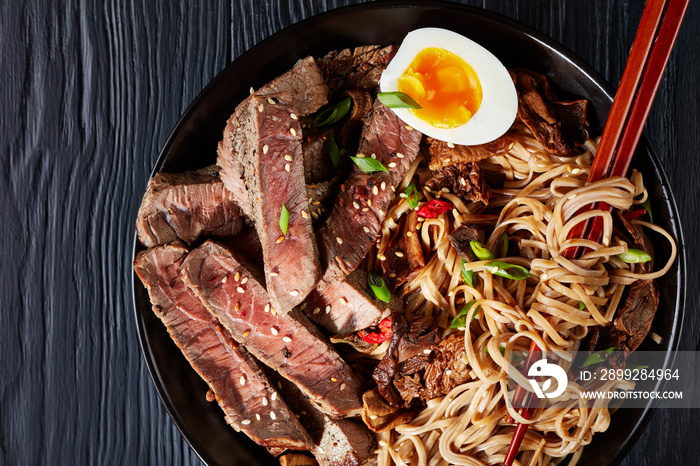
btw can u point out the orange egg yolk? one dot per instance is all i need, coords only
(445, 86)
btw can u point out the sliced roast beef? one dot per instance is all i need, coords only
(461, 237)
(465, 180)
(321, 196)
(404, 253)
(348, 305)
(360, 68)
(363, 200)
(349, 132)
(250, 403)
(318, 166)
(289, 343)
(344, 442)
(185, 206)
(559, 125)
(443, 154)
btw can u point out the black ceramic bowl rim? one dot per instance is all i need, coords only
(186, 126)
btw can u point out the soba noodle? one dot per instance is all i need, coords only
(536, 208)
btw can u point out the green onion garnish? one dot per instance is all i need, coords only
(379, 288)
(598, 356)
(502, 349)
(480, 251)
(460, 320)
(647, 205)
(333, 151)
(467, 275)
(504, 250)
(397, 100)
(284, 219)
(581, 306)
(333, 113)
(369, 165)
(507, 270)
(634, 256)
(412, 195)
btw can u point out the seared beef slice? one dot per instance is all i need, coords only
(185, 206)
(287, 343)
(353, 225)
(241, 389)
(263, 165)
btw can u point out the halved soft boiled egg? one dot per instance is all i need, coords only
(466, 95)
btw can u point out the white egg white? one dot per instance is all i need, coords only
(499, 105)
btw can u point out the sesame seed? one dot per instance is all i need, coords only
(252, 91)
(334, 380)
(316, 310)
(242, 381)
(246, 333)
(392, 165)
(286, 339)
(450, 145)
(315, 202)
(409, 234)
(303, 306)
(365, 209)
(448, 372)
(280, 239)
(445, 190)
(375, 190)
(426, 351)
(314, 215)
(272, 415)
(293, 131)
(288, 158)
(267, 307)
(264, 401)
(293, 116)
(573, 195)
(237, 276)
(240, 290)
(274, 331)
(373, 416)
(344, 300)
(543, 277)
(328, 309)
(409, 128)
(342, 387)
(294, 293)
(398, 254)
(360, 156)
(355, 204)
(304, 214)
(260, 108)
(448, 160)
(366, 229)
(287, 167)
(225, 279)
(418, 226)
(402, 195)
(510, 146)
(374, 156)
(369, 202)
(237, 307)
(426, 189)
(382, 443)
(575, 171)
(381, 257)
(257, 417)
(273, 274)
(339, 239)
(606, 241)
(245, 422)
(399, 155)
(279, 386)
(273, 397)
(244, 281)
(383, 185)
(462, 182)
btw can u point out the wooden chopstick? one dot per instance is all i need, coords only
(628, 115)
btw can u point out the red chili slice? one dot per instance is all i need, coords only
(376, 338)
(634, 214)
(433, 208)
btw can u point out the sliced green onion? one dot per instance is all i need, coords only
(581, 306)
(333, 151)
(397, 100)
(369, 165)
(412, 195)
(507, 270)
(460, 320)
(379, 288)
(333, 113)
(504, 250)
(634, 256)
(467, 275)
(647, 205)
(502, 349)
(480, 251)
(599, 356)
(284, 219)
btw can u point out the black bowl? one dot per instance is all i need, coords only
(192, 144)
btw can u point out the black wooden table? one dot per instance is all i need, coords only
(88, 94)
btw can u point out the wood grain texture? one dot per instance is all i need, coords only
(89, 93)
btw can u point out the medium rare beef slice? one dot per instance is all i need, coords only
(287, 343)
(559, 125)
(443, 154)
(318, 166)
(404, 254)
(461, 239)
(360, 68)
(348, 305)
(185, 206)
(354, 223)
(637, 314)
(235, 379)
(465, 180)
